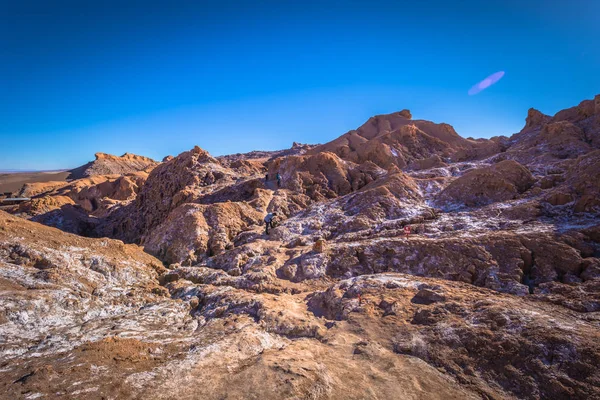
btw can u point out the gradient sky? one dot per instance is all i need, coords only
(156, 78)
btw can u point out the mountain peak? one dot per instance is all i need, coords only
(405, 113)
(535, 118)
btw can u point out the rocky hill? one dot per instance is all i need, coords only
(107, 164)
(407, 262)
(397, 139)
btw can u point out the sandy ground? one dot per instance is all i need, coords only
(12, 182)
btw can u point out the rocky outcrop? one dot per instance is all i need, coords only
(94, 196)
(545, 140)
(323, 175)
(193, 232)
(181, 180)
(499, 182)
(434, 161)
(107, 164)
(41, 188)
(580, 185)
(535, 119)
(405, 113)
(397, 140)
(113, 319)
(53, 281)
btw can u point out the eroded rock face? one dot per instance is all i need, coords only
(78, 206)
(535, 119)
(107, 164)
(499, 182)
(581, 183)
(397, 140)
(432, 330)
(54, 281)
(545, 140)
(193, 232)
(406, 114)
(181, 180)
(323, 175)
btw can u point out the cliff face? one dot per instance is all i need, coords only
(407, 262)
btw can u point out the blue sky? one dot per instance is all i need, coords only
(156, 78)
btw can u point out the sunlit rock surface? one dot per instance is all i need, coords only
(407, 262)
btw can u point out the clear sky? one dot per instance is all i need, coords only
(156, 78)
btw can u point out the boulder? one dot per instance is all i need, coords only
(428, 296)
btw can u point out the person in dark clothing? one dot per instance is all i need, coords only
(270, 221)
(266, 178)
(278, 179)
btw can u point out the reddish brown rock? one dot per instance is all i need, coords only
(395, 140)
(44, 204)
(107, 164)
(580, 184)
(193, 232)
(535, 119)
(171, 184)
(406, 114)
(499, 182)
(568, 134)
(558, 198)
(434, 161)
(41, 188)
(323, 175)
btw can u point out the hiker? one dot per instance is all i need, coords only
(269, 220)
(278, 179)
(407, 231)
(267, 178)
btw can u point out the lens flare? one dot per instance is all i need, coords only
(486, 83)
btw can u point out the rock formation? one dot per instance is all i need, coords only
(535, 119)
(396, 139)
(406, 262)
(499, 182)
(107, 164)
